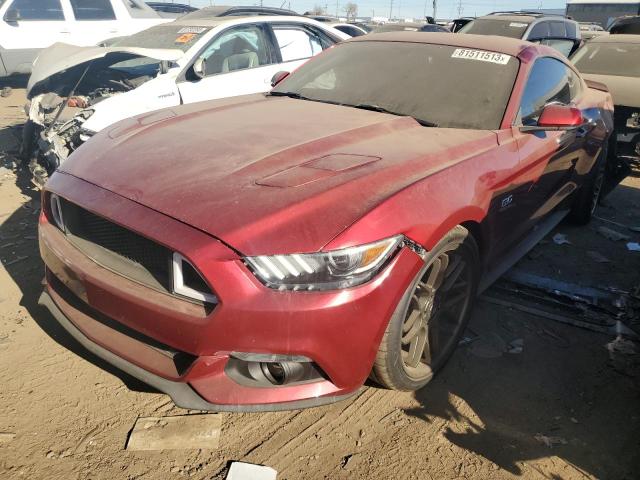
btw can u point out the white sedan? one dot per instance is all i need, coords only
(75, 92)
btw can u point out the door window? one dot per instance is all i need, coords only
(564, 46)
(93, 10)
(549, 82)
(539, 30)
(296, 43)
(238, 48)
(29, 10)
(558, 29)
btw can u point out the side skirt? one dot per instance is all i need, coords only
(520, 250)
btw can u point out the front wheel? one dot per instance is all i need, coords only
(432, 315)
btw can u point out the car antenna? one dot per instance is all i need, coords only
(66, 100)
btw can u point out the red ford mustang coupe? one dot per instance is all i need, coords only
(274, 251)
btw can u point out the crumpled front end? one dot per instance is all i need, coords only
(54, 132)
(62, 102)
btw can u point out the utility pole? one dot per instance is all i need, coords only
(391, 10)
(460, 8)
(435, 8)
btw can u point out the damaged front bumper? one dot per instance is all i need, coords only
(54, 131)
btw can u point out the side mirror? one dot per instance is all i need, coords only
(12, 15)
(557, 117)
(278, 77)
(200, 68)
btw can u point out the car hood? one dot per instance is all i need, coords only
(624, 90)
(62, 56)
(268, 174)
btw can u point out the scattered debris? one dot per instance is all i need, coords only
(15, 260)
(516, 346)
(182, 432)
(347, 459)
(621, 345)
(633, 246)
(490, 346)
(560, 239)
(549, 441)
(612, 234)
(249, 471)
(574, 420)
(597, 257)
(6, 92)
(6, 437)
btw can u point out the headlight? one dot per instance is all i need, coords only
(325, 270)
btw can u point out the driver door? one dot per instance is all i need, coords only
(237, 61)
(548, 158)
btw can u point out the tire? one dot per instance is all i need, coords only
(588, 196)
(450, 276)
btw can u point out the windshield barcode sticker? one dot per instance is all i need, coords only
(517, 24)
(481, 55)
(192, 30)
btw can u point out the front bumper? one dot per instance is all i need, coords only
(149, 334)
(181, 393)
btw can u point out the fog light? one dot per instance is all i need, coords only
(278, 373)
(268, 370)
(281, 373)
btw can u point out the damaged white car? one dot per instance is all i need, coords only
(75, 92)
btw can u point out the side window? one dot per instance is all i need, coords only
(563, 46)
(575, 85)
(548, 82)
(30, 10)
(539, 30)
(296, 43)
(558, 29)
(349, 30)
(92, 10)
(236, 49)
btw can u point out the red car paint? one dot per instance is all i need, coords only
(216, 181)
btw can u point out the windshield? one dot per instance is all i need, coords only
(618, 59)
(164, 36)
(436, 84)
(501, 27)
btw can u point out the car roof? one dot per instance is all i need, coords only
(616, 38)
(215, 21)
(492, 43)
(509, 18)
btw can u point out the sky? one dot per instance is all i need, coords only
(401, 8)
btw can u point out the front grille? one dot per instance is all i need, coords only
(118, 248)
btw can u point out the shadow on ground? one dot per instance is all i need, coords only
(591, 415)
(26, 269)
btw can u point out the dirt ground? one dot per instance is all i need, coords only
(66, 415)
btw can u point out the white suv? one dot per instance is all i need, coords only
(28, 26)
(75, 92)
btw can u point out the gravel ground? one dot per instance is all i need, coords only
(563, 408)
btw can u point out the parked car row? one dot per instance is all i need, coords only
(75, 92)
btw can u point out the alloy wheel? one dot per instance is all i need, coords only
(436, 312)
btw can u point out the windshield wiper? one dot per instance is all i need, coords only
(378, 108)
(287, 94)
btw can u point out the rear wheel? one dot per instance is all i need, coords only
(432, 315)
